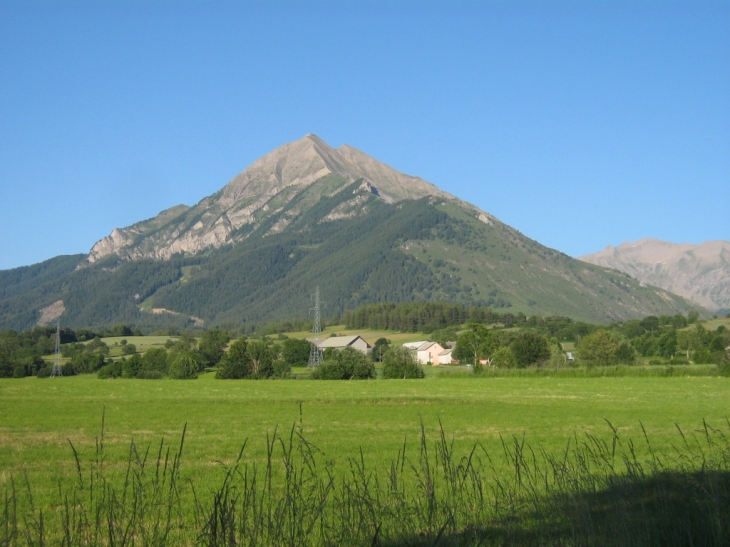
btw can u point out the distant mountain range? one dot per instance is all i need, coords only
(304, 215)
(700, 273)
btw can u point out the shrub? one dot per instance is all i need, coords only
(330, 370)
(131, 366)
(44, 372)
(346, 364)
(112, 370)
(703, 356)
(281, 369)
(401, 363)
(150, 375)
(67, 369)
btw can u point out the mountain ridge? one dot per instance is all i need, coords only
(698, 272)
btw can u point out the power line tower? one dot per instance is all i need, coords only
(315, 352)
(56, 370)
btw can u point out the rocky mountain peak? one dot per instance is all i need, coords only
(266, 188)
(304, 161)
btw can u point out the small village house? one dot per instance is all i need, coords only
(427, 353)
(339, 342)
(446, 357)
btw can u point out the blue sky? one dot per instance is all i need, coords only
(581, 124)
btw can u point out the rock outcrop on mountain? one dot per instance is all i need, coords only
(700, 273)
(306, 169)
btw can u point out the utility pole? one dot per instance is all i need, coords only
(315, 352)
(56, 370)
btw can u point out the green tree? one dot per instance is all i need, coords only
(295, 352)
(650, 323)
(132, 366)
(380, 348)
(212, 346)
(128, 349)
(476, 343)
(262, 357)
(504, 358)
(666, 344)
(155, 360)
(442, 336)
(530, 348)
(625, 353)
(400, 362)
(598, 348)
(687, 341)
(184, 344)
(185, 365)
(236, 363)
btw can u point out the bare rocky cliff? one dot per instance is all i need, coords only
(700, 273)
(308, 166)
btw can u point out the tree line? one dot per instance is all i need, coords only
(481, 337)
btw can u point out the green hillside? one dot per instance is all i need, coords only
(429, 249)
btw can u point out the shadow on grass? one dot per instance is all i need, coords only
(672, 509)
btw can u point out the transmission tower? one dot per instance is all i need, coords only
(315, 352)
(56, 370)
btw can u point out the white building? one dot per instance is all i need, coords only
(427, 353)
(446, 357)
(339, 342)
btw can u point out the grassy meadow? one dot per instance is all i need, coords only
(355, 430)
(38, 417)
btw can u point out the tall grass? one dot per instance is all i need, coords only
(597, 491)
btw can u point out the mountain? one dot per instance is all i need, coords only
(700, 273)
(305, 215)
(283, 183)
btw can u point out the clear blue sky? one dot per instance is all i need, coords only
(581, 124)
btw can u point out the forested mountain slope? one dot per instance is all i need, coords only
(308, 215)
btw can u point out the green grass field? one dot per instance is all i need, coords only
(39, 417)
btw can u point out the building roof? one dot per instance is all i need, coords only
(340, 341)
(446, 351)
(414, 345)
(419, 346)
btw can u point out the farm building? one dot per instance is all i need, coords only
(339, 342)
(446, 357)
(427, 353)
